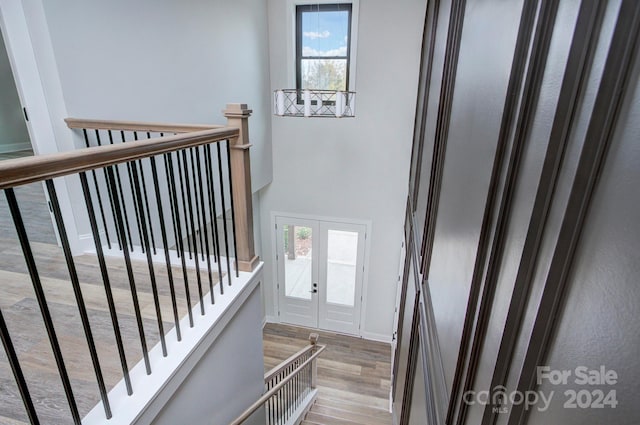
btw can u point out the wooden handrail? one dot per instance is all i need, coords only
(255, 406)
(282, 366)
(91, 124)
(19, 171)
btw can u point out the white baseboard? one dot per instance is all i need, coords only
(373, 336)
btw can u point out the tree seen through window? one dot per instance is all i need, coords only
(323, 35)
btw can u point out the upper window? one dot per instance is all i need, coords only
(323, 46)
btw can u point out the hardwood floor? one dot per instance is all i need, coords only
(35, 211)
(353, 375)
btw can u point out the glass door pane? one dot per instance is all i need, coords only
(342, 257)
(298, 244)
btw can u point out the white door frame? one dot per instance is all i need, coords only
(27, 77)
(33, 96)
(367, 250)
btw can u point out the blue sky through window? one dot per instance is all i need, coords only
(325, 33)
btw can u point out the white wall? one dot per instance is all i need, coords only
(352, 168)
(165, 61)
(13, 131)
(228, 379)
(149, 60)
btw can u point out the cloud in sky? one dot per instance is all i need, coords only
(309, 51)
(314, 34)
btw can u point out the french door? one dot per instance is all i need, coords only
(320, 273)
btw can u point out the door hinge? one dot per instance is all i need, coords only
(278, 313)
(276, 225)
(26, 116)
(50, 207)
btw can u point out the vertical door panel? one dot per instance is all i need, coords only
(297, 247)
(341, 273)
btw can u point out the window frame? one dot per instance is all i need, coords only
(301, 8)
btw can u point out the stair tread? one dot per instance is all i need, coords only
(319, 418)
(350, 415)
(352, 407)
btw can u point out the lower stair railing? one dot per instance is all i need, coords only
(290, 388)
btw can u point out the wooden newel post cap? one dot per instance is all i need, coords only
(237, 110)
(313, 338)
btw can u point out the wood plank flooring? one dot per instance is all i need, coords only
(353, 375)
(36, 211)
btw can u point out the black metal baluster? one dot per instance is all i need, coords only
(152, 275)
(184, 206)
(174, 223)
(105, 280)
(132, 282)
(212, 199)
(95, 183)
(120, 244)
(17, 372)
(135, 204)
(42, 302)
(204, 230)
(179, 239)
(233, 211)
(77, 291)
(195, 195)
(224, 213)
(124, 208)
(146, 199)
(165, 245)
(193, 236)
(209, 181)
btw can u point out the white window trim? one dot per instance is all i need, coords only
(291, 38)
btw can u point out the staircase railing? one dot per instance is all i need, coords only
(161, 196)
(290, 388)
